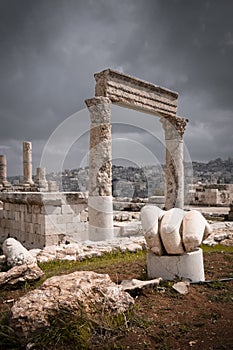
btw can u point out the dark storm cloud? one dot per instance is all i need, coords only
(51, 48)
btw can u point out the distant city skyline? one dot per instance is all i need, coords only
(50, 50)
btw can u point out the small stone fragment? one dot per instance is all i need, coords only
(181, 287)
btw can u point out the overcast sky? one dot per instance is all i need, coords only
(50, 50)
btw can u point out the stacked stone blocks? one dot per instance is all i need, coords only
(43, 219)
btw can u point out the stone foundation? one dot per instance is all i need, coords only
(43, 219)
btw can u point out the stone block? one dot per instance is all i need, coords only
(65, 218)
(71, 228)
(29, 209)
(17, 215)
(66, 209)
(40, 219)
(11, 215)
(27, 227)
(37, 229)
(51, 240)
(188, 266)
(28, 217)
(22, 216)
(84, 216)
(52, 210)
(77, 218)
(22, 207)
(6, 206)
(22, 226)
(35, 209)
(34, 218)
(17, 207)
(51, 220)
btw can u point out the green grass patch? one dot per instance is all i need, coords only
(218, 248)
(106, 261)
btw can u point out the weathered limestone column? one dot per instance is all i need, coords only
(174, 128)
(27, 163)
(41, 181)
(3, 171)
(100, 207)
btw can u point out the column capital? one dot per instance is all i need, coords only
(174, 127)
(97, 101)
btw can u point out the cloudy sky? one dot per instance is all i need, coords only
(50, 50)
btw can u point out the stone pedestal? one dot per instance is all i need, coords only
(174, 181)
(188, 266)
(100, 205)
(27, 163)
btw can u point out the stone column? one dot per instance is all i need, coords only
(100, 207)
(3, 171)
(41, 181)
(27, 163)
(174, 179)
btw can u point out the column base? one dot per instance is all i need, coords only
(100, 212)
(188, 266)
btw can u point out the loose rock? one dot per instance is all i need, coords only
(80, 291)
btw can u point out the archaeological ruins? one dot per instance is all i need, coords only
(38, 218)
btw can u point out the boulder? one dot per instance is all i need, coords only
(16, 254)
(170, 231)
(194, 227)
(20, 274)
(150, 218)
(81, 292)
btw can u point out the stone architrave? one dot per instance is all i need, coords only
(27, 163)
(3, 171)
(134, 93)
(100, 206)
(174, 128)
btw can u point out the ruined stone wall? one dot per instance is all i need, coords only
(211, 196)
(43, 219)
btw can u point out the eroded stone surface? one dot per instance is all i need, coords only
(80, 291)
(20, 274)
(134, 93)
(170, 231)
(16, 254)
(151, 217)
(194, 226)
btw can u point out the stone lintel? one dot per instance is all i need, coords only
(134, 93)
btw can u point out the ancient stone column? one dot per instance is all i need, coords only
(100, 207)
(27, 163)
(41, 181)
(174, 179)
(3, 171)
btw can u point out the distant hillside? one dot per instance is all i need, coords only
(145, 181)
(215, 171)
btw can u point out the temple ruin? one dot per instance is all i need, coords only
(126, 91)
(38, 218)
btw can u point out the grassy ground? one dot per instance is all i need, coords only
(161, 319)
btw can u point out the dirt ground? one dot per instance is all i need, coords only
(201, 319)
(163, 318)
